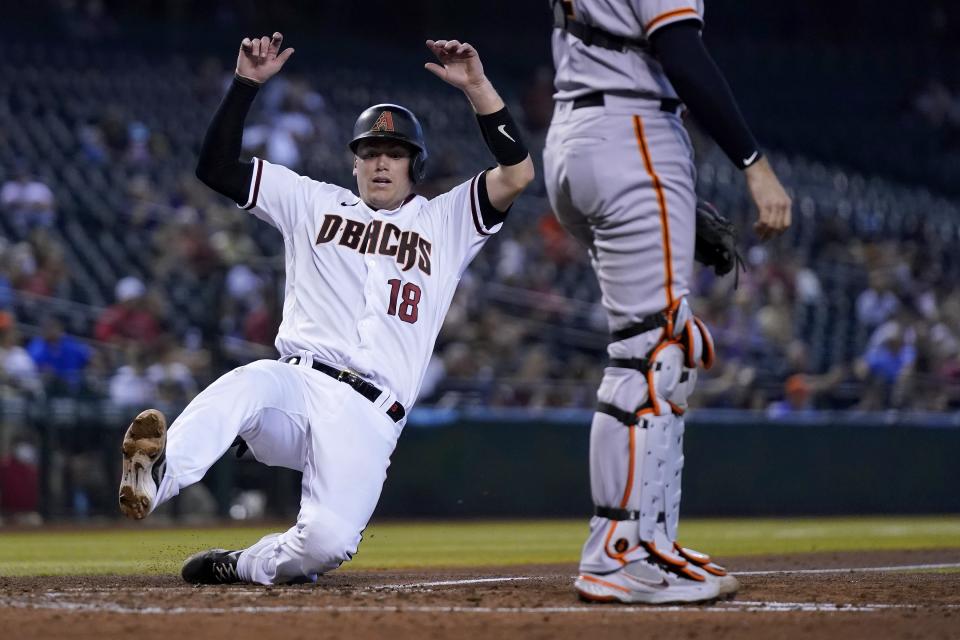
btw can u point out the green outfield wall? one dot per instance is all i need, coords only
(483, 463)
(733, 467)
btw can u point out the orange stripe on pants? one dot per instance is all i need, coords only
(662, 201)
(626, 495)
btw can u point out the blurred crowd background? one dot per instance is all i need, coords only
(125, 283)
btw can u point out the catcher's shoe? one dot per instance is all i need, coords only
(213, 566)
(644, 582)
(144, 463)
(702, 564)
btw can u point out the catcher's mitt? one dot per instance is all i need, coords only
(717, 242)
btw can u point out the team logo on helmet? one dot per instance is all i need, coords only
(384, 122)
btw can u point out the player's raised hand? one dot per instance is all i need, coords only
(260, 58)
(459, 63)
(773, 203)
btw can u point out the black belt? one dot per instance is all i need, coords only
(595, 99)
(371, 392)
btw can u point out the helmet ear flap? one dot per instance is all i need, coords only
(418, 166)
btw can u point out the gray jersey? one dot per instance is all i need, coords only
(583, 69)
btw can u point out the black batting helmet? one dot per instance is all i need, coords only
(393, 122)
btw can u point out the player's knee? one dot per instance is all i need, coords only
(327, 543)
(625, 388)
(256, 381)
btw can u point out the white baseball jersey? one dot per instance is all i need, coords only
(367, 290)
(583, 69)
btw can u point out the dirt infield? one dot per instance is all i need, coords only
(780, 597)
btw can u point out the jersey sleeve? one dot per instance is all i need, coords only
(282, 197)
(655, 14)
(462, 226)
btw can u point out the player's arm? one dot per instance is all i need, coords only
(219, 165)
(702, 87)
(460, 66)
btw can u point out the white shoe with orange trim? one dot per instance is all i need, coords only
(644, 582)
(702, 564)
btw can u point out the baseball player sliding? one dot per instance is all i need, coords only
(369, 279)
(620, 176)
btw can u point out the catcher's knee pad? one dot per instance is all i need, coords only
(668, 357)
(665, 375)
(697, 346)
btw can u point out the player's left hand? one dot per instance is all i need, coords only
(459, 63)
(771, 199)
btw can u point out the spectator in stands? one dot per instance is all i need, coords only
(890, 357)
(21, 263)
(18, 371)
(170, 375)
(183, 245)
(6, 285)
(19, 382)
(27, 202)
(131, 385)
(261, 322)
(92, 143)
(937, 105)
(138, 145)
(60, 358)
(878, 302)
(130, 318)
(775, 318)
(143, 204)
(798, 398)
(48, 273)
(233, 244)
(286, 124)
(20, 483)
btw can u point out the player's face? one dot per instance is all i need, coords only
(382, 168)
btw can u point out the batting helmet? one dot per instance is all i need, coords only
(393, 122)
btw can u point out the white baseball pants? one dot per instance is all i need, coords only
(296, 417)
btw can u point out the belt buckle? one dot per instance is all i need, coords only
(343, 376)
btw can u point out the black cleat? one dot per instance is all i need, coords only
(213, 566)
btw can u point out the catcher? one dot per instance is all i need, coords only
(620, 176)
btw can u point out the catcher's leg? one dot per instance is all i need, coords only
(629, 555)
(697, 347)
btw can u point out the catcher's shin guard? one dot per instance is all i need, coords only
(636, 445)
(632, 451)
